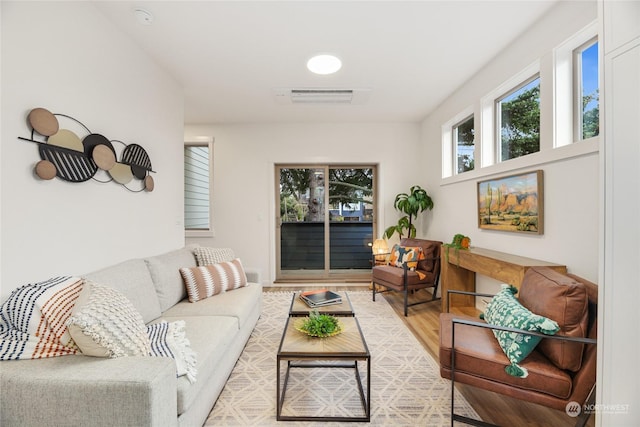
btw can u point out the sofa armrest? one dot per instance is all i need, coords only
(80, 391)
(253, 275)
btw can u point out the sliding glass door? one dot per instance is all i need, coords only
(325, 221)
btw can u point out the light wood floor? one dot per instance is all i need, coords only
(492, 407)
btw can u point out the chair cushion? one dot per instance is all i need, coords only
(393, 277)
(478, 354)
(505, 310)
(430, 249)
(565, 300)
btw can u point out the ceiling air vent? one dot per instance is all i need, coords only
(321, 96)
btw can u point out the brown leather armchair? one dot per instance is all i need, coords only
(561, 369)
(405, 280)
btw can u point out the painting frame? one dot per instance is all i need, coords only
(518, 205)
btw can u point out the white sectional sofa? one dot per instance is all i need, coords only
(138, 391)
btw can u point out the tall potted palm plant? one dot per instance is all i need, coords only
(411, 205)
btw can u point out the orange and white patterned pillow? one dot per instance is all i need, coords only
(209, 280)
(406, 254)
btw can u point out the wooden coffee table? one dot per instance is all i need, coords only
(343, 351)
(300, 308)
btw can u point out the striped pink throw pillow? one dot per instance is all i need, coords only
(209, 280)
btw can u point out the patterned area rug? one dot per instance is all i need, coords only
(406, 388)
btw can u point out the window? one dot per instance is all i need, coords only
(464, 142)
(518, 120)
(197, 188)
(587, 102)
(576, 94)
(458, 143)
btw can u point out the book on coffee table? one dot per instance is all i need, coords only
(320, 298)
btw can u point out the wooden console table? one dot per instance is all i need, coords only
(460, 272)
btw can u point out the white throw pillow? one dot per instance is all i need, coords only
(208, 256)
(104, 323)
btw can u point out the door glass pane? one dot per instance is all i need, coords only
(302, 214)
(351, 218)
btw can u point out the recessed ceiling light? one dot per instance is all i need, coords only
(324, 64)
(143, 16)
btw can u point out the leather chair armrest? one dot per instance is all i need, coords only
(520, 331)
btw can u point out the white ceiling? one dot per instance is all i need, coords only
(229, 56)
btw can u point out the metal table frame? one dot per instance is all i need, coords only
(316, 361)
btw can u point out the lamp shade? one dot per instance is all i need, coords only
(380, 246)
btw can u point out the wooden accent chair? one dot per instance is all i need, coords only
(561, 369)
(404, 279)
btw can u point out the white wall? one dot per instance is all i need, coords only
(571, 212)
(66, 57)
(620, 263)
(244, 177)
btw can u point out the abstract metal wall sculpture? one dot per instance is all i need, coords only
(72, 159)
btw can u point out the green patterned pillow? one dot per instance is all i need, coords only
(504, 309)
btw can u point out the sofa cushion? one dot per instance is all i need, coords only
(104, 323)
(133, 279)
(209, 280)
(478, 354)
(239, 305)
(210, 337)
(565, 300)
(165, 273)
(505, 310)
(207, 256)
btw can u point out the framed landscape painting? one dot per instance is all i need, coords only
(512, 203)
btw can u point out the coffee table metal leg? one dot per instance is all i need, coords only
(279, 397)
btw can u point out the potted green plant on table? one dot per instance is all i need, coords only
(411, 204)
(319, 325)
(460, 241)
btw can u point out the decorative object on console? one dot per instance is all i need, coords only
(512, 203)
(68, 157)
(460, 241)
(410, 204)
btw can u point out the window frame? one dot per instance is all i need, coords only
(449, 146)
(454, 142)
(202, 142)
(490, 141)
(497, 111)
(568, 86)
(578, 119)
